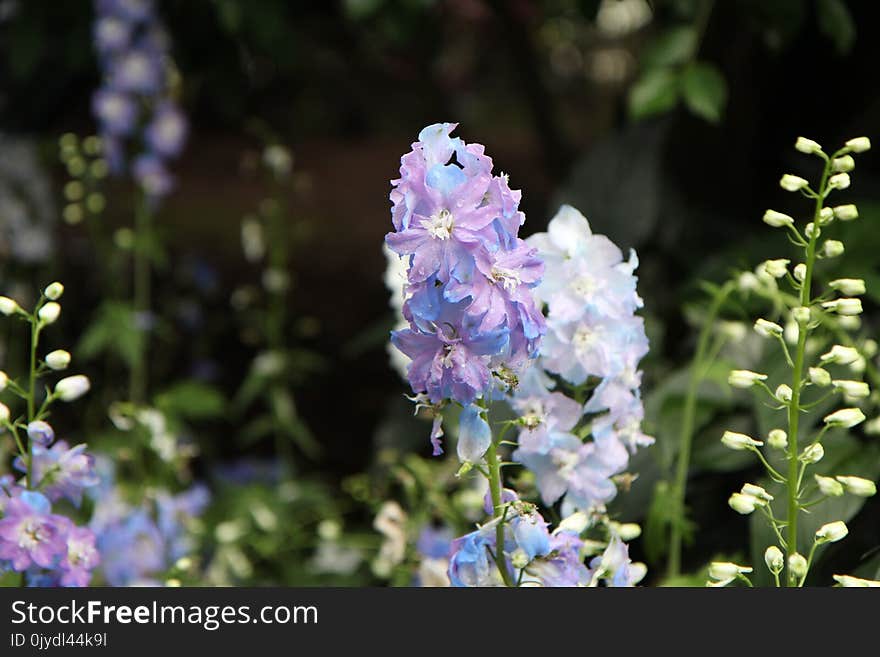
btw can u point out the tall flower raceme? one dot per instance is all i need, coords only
(141, 130)
(474, 331)
(811, 315)
(47, 547)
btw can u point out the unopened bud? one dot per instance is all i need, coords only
(777, 219)
(777, 439)
(826, 216)
(819, 377)
(797, 564)
(4, 413)
(831, 532)
(813, 453)
(801, 315)
(768, 329)
(851, 287)
(72, 388)
(841, 355)
(807, 146)
(845, 417)
(792, 183)
(839, 181)
(776, 268)
(832, 248)
(800, 272)
(739, 441)
(784, 393)
(843, 164)
(49, 313)
(58, 359)
(724, 570)
(828, 486)
(774, 559)
(744, 504)
(8, 306)
(858, 486)
(744, 378)
(845, 306)
(859, 144)
(852, 389)
(54, 291)
(846, 212)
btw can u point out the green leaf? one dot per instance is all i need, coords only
(675, 46)
(655, 92)
(192, 400)
(704, 91)
(113, 330)
(837, 24)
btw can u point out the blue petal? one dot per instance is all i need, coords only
(474, 435)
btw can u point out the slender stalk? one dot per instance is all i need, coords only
(686, 435)
(32, 388)
(796, 383)
(137, 386)
(495, 491)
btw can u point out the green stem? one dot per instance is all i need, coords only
(796, 382)
(32, 388)
(497, 510)
(686, 435)
(137, 386)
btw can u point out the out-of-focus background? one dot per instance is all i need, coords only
(667, 123)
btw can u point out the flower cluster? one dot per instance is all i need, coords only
(135, 100)
(47, 547)
(593, 345)
(468, 299)
(811, 318)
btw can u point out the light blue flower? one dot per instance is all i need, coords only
(474, 435)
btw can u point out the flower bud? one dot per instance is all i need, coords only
(844, 306)
(776, 268)
(848, 581)
(519, 559)
(831, 532)
(744, 378)
(813, 453)
(744, 504)
(628, 531)
(8, 306)
(852, 389)
(810, 229)
(758, 492)
(58, 359)
(841, 355)
(4, 380)
(49, 313)
(768, 329)
(72, 388)
(807, 146)
(800, 272)
(4, 413)
(870, 348)
(797, 564)
(845, 417)
(843, 164)
(851, 287)
(858, 486)
(777, 439)
(724, 570)
(828, 486)
(777, 219)
(849, 322)
(54, 291)
(859, 365)
(783, 393)
(774, 559)
(859, 144)
(733, 331)
(846, 212)
(474, 435)
(839, 181)
(819, 377)
(739, 441)
(801, 315)
(792, 183)
(40, 432)
(832, 248)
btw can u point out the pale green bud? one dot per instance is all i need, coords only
(801, 315)
(841, 355)
(858, 486)
(54, 291)
(845, 417)
(792, 183)
(810, 229)
(744, 504)
(777, 439)
(72, 388)
(744, 378)
(8, 306)
(832, 248)
(800, 272)
(776, 268)
(829, 486)
(852, 389)
(774, 559)
(733, 331)
(58, 359)
(4, 413)
(627, 531)
(807, 146)
(831, 532)
(849, 322)
(4, 380)
(576, 523)
(797, 564)
(848, 581)
(739, 441)
(845, 306)
(784, 393)
(813, 453)
(819, 377)
(725, 570)
(49, 313)
(767, 329)
(846, 212)
(843, 164)
(777, 219)
(826, 216)
(851, 287)
(519, 559)
(869, 348)
(758, 492)
(859, 365)
(839, 181)
(859, 144)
